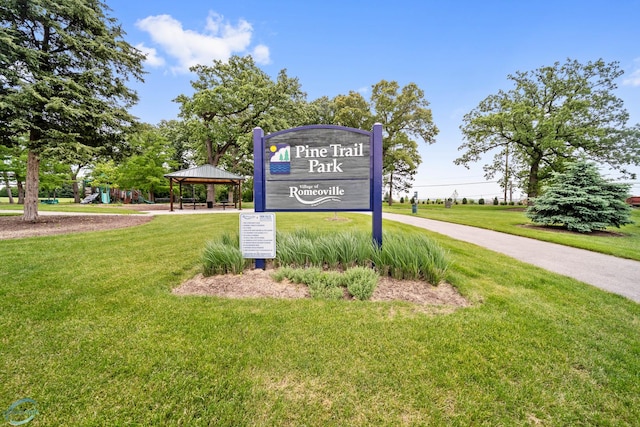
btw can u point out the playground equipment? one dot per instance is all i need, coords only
(143, 200)
(91, 198)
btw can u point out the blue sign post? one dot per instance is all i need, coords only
(319, 168)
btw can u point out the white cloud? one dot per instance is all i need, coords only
(261, 54)
(152, 56)
(218, 40)
(634, 78)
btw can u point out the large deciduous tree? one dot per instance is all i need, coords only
(64, 66)
(552, 115)
(405, 118)
(230, 99)
(352, 110)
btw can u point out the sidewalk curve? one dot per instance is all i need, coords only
(617, 275)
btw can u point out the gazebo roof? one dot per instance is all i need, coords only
(205, 174)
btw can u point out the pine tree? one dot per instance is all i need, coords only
(581, 200)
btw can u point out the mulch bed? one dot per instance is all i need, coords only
(13, 227)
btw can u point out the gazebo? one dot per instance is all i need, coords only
(205, 174)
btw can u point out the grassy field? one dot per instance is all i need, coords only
(90, 330)
(67, 205)
(624, 242)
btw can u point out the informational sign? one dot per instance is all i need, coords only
(318, 168)
(258, 235)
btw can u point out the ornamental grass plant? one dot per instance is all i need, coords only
(223, 256)
(402, 256)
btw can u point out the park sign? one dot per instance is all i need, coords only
(315, 168)
(319, 168)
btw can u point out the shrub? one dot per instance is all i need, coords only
(361, 282)
(464, 200)
(5, 193)
(325, 285)
(496, 202)
(322, 284)
(481, 201)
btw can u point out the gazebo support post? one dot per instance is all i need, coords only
(171, 195)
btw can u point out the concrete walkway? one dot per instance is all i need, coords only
(617, 275)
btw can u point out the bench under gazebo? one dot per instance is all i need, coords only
(205, 174)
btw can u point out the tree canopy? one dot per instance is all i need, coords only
(579, 199)
(552, 116)
(145, 169)
(232, 98)
(64, 67)
(405, 118)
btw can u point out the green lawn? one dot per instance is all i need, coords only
(624, 242)
(67, 205)
(89, 329)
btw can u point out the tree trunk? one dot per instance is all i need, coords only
(20, 192)
(32, 184)
(506, 173)
(211, 189)
(76, 190)
(390, 201)
(532, 186)
(8, 187)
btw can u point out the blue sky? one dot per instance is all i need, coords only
(458, 52)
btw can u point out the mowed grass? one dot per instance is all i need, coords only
(622, 242)
(90, 329)
(67, 205)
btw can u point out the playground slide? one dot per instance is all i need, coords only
(90, 199)
(143, 200)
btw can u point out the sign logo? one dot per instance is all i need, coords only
(280, 160)
(322, 195)
(21, 412)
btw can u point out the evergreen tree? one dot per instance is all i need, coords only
(581, 200)
(64, 66)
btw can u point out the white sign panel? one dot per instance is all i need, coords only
(258, 235)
